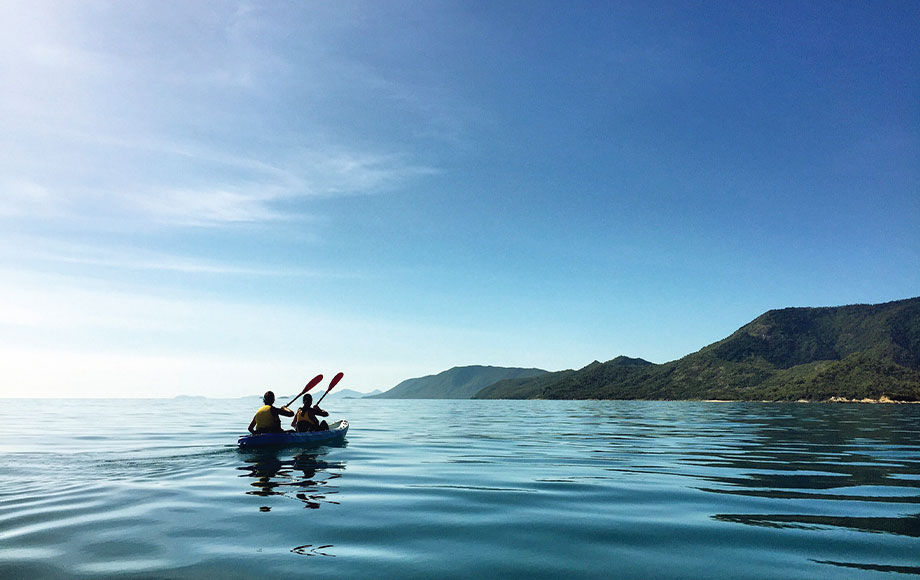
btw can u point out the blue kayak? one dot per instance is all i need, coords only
(335, 433)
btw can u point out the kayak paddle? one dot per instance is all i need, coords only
(335, 380)
(313, 382)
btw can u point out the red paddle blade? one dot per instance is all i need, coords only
(315, 381)
(335, 380)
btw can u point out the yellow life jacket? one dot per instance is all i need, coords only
(304, 421)
(265, 419)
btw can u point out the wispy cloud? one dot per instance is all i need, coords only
(20, 197)
(33, 250)
(206, 207)
(263, 188)
(204, 118)
(214, 188)
(338, 171)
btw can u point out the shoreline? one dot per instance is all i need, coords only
(883, 400)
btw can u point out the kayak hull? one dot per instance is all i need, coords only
(335, 434)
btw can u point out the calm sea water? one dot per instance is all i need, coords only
(462, 489)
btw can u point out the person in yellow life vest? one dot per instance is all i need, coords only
(307, 418)
(268, 418)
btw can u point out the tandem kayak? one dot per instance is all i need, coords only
(335, 433)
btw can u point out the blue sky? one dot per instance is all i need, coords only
(218, 198)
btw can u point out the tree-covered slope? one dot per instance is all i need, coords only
(575, 383)
(456, 383)
(854, 352)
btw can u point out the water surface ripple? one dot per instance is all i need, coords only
(460, 489)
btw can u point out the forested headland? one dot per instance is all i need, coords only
(857, 352)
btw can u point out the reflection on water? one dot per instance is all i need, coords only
(826, 471)
(902, 526)
(306, 476)
(311, 550)
(873, 567)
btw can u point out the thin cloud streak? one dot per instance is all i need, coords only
(205, 207)
(312, 174)
(34, 250)
(251, 192)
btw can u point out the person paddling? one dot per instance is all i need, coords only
(307, 418)
(268, 418)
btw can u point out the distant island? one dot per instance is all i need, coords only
(456, 383)
(846, 353)
(350, 394)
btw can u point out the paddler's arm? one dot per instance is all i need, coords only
(286, 412)
(320, 412)
(252, 426)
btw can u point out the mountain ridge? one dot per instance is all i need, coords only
(456, 383)
(853, 352)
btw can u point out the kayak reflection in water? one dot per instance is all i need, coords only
(307, 477)
(307, 418)
(268, 418)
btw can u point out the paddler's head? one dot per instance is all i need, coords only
(268, 397)
(307, 401)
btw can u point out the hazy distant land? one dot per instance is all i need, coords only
(457, 383)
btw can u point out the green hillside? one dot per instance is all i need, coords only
(456, 383)
(815, 354)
